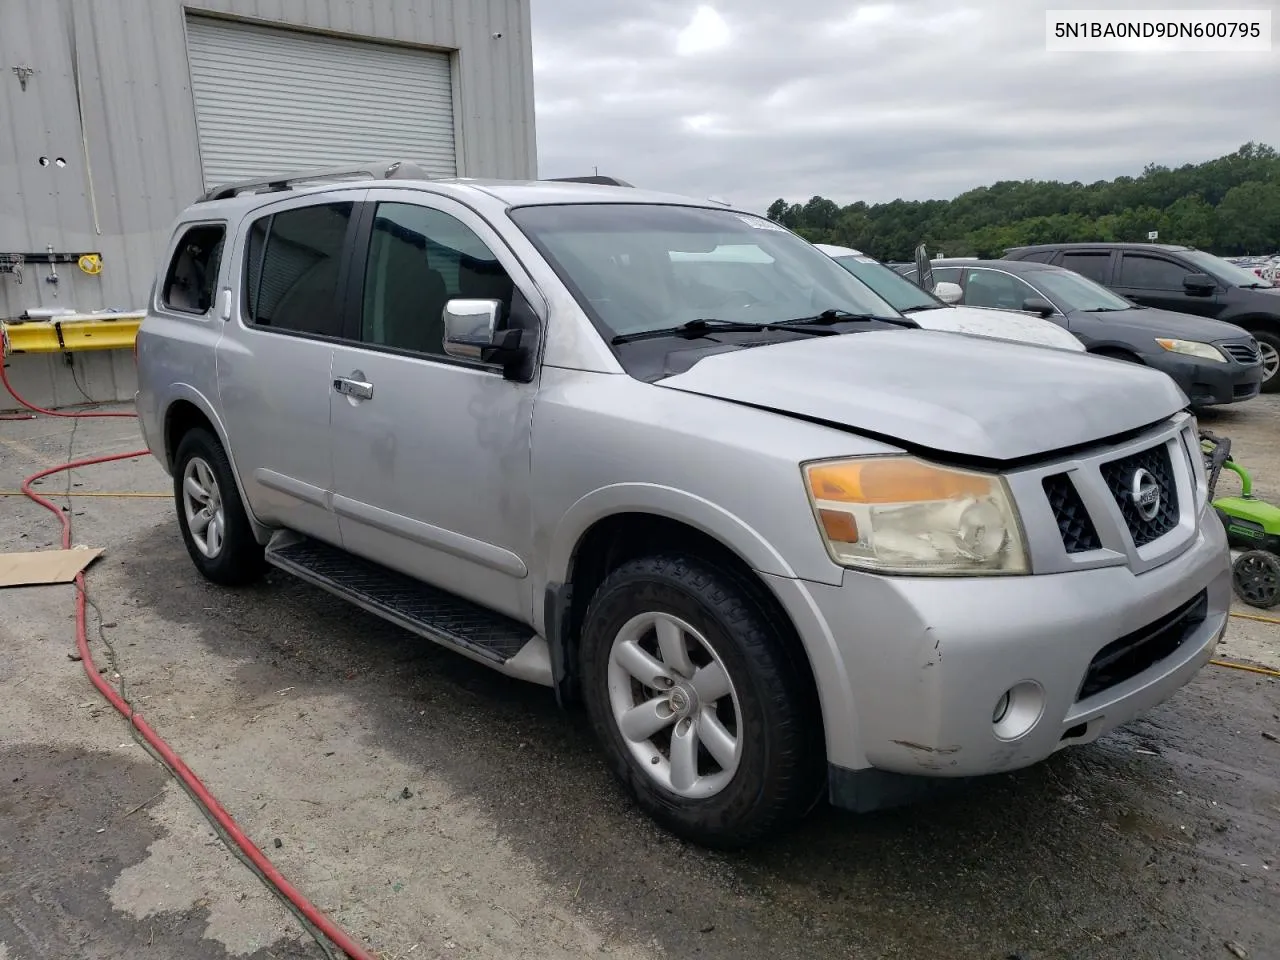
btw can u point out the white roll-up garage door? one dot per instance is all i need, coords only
(271, 101)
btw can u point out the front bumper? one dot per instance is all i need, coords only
(1210, 384)
(914, 667)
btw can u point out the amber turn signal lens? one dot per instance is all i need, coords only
(892, 480)
(840, 527)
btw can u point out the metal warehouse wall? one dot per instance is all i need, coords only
(137, 164)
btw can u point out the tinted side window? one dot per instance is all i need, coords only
(1040, 256)
(1151, 273)
(990, 288)
(940, 275)
(1091, 265)
(419, 259)
(192, 277)
(291, 269)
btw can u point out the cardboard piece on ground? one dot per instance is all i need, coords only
(44, 566)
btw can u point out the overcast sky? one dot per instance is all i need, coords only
(755, 99)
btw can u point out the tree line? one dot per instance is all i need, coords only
(1229, 206)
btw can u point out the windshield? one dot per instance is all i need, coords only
(900, 292)
(1072, 291)
(636, 267)
(1223, 270)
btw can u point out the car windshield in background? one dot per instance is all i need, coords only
(900, 292)
(1075, 292)
(638, 267)
(1223, 270)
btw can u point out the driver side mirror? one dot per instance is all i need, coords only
(948, 292)
(1199, 284)
(471, 333)
(1038, 305)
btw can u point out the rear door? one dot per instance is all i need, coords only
(275, 365)
(1097, 265)
(1155, 280)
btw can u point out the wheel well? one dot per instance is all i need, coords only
(1118, 353)
(614, 540)
(1258, 324)
(182, 415)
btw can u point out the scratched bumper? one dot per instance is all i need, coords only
(924, 661)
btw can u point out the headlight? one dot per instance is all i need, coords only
(902, 515)
(1192, 348)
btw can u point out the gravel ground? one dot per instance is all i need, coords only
(439, 810)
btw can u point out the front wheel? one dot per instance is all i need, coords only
(1269, 347)
(704, 717)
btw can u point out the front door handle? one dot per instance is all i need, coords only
(347, 386)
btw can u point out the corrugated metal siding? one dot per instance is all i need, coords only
(269, 100)
(139, 121)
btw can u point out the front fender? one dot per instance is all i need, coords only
(673, 504)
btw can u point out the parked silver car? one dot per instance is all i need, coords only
(776, 537)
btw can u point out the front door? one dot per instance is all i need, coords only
(1155, 280)
(275, 367)
(431, 454)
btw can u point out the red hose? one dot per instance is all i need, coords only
(171, 759)
(4, 378)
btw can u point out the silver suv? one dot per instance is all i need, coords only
(670, 460)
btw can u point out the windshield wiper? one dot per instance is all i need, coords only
(692, 330)
(830, 317)
(702, 328)
(924, 306)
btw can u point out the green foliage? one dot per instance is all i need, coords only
(1229, 206)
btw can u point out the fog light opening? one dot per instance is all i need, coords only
(1018, 710)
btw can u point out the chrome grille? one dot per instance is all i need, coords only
(1079, 512)
(1079, 535)
(1119, 475)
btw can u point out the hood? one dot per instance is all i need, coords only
(956, 395)
(1000, 324)
(1164, 323)
(1268, 297)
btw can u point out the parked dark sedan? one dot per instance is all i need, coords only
(1213, 362)
(1177, 278)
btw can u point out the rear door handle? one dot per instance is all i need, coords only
(360, 389)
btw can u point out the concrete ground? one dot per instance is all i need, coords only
(439, 810)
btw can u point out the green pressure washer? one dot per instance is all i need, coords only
(1253, 527)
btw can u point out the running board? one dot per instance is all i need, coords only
(487, 637)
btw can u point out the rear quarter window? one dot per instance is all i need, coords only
(191, 279)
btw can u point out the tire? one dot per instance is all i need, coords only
(1269, 342)
(778, 764)
(236, 558)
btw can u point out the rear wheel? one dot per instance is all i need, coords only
(1269, 347)
(703, 716)
(214, 524)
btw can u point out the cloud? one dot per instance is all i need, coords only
(756, 99)
(706, 31)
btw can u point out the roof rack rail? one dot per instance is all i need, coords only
(376, 170)
(605, 181)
